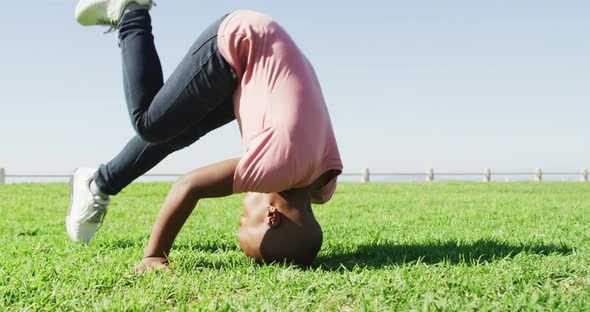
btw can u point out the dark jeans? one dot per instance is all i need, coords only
(196, 99)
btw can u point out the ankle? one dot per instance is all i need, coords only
(133, 6)
(96, 191)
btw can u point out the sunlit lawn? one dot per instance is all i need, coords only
(398, 246)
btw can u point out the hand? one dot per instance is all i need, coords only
(151, 264)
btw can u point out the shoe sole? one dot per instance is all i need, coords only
(93, 13)
(68, 220)
(88, 15)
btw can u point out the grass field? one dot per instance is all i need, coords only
(414, 246)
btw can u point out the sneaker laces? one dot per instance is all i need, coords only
(100, 210)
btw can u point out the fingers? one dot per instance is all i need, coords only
(163, 268)
(150, 265)
(139, 268)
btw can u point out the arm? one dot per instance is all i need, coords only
(212, 181)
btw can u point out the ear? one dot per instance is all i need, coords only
(273, 217)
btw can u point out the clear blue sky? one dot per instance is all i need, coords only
(454, 85)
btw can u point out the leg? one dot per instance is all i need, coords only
(197, 98)
(166, 117)
(139, 156)
(88, 208)
(202, 81)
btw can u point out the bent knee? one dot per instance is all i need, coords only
(185, 186)
(148, 134)
(157, 135)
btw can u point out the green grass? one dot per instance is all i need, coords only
(414, 246)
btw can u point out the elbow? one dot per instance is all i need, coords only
(186, 187)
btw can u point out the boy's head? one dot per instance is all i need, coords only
(280, 227)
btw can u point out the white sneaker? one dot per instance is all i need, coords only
(87, 211)
(104, 12)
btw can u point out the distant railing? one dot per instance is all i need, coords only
(486, 175)
(4, 176)
(365, 175)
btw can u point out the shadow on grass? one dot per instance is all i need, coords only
(380, 255)
(208, 246)
(121, 243)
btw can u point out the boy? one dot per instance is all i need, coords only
(245, 67)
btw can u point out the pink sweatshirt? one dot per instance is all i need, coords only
(285, 126)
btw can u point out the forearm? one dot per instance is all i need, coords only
(208, 182)
(175, 211)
